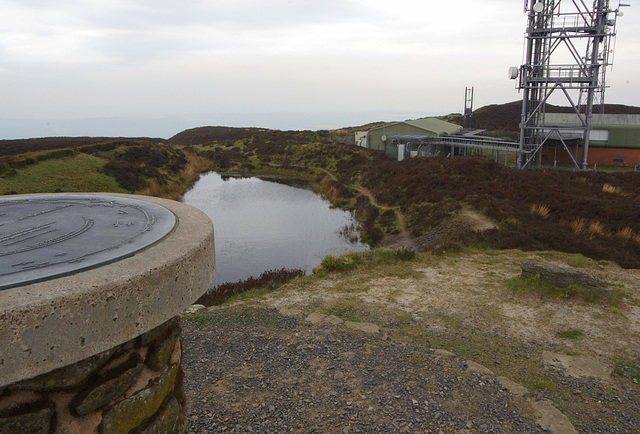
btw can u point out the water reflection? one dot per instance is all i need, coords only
(262, 225)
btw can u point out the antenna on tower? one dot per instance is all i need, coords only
(467, 121)
(567, 49)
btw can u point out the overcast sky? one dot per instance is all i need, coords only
(283, 63)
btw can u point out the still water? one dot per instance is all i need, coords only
(261, 225)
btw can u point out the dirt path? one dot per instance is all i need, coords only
(401, 240)
(467, 217)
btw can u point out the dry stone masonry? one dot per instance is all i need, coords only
(90, 337)
(133, 386)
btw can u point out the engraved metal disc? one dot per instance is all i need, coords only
(48, 236)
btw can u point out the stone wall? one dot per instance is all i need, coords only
(133, 387)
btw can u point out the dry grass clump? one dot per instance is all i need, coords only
(197, 163)
(579, 226)
(595, 228)
(169, 190)
(608, 188)
(540, 209)
(625, 234)
(589, 229)
(188, 176)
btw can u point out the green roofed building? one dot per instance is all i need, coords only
(377, 138)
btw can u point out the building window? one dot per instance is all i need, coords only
(618, 160)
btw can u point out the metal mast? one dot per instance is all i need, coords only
(567, 51)
(468, 108)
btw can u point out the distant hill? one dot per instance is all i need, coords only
(494, 118)
(365, 127)
(506, 117)
(19, 146)
(194, 136)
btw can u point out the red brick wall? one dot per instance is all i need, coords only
(599, 156)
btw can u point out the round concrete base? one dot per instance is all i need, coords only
(51, 324)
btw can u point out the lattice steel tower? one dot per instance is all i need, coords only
(567, 51)
(467, 119)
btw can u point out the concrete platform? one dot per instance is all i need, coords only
(51, 324)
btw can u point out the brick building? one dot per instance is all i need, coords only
(614, 140)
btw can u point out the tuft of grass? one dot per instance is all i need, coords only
(569, 334)
(595, 228)
(579, 261)
(626, 234)
(536, 285)
(578, 226)
(331, 264)
(347, 313)
(371, 259)
(418, 361)
(400, 255)
(628, 369)
(540, 209)
(187, 177)
(589, 229)
(608, 188)
(197, 318)
(542, 383)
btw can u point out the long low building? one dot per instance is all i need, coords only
(614, 139)
(379, 138)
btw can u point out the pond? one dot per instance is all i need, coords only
(263, 225)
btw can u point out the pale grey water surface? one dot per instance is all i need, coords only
(262, 225)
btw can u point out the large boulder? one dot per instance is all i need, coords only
(561, 277)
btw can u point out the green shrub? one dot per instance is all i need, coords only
(347, 313)
(332, 264)
(197, 318)
(7, 171)
(629, 369)
(569, 334)
(403, 254)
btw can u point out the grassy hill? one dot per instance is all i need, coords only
(592, 213)
(124, 166)
(20, 146)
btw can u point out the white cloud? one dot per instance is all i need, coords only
(171, 57)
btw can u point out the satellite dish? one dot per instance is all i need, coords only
(538, 7)
(384, 138)
(513, 72)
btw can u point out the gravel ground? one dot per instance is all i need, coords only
(255, 370)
